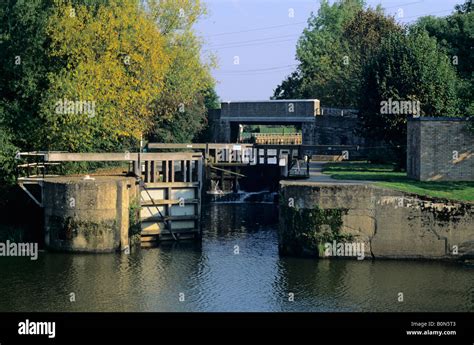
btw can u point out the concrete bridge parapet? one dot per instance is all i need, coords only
(307, 114)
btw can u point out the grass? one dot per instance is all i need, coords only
(386, 176)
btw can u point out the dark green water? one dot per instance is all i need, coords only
(213, 278)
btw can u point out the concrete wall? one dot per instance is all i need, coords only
(391, 224)
(88, 215)
(336, 130)
(277, 108)
(316, 129)
(440, 149)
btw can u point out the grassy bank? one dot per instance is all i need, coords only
(386, 176)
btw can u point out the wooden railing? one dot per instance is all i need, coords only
(278, 139)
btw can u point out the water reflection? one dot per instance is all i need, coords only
(237, 268)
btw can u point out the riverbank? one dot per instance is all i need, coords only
(384, 175)
(388, 223)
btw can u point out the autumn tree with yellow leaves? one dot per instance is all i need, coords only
(99, 75)
(113, 60)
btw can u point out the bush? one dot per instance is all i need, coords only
(7, 159)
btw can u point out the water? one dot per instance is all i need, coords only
(213, 277)
(242, 196)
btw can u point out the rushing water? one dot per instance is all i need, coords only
(214, 277)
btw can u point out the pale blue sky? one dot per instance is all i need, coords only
(263, 36)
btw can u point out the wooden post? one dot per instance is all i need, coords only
(135, 168)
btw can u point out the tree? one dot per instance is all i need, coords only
(290, 88)
(138, 61)
(7, 158)
(211, 102)
(455, 34)
(364, 34)
(23, 68)
(113, 59)
(325, 57)
(332, 51)
(181, 104)
(407, 68)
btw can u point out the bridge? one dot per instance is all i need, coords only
(318, 125)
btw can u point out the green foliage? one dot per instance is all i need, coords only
(410, 68)
(322, 54)
(137, 61)
(211, 102)
(134, 217)
(351, 56)
(332, 52)
(23, 68)
(290, 88)
(455, 34)
(180, 111)
(112, 55)
(7, 160)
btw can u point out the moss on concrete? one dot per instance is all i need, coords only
(134, 219)
(308, 229)
(73, 234)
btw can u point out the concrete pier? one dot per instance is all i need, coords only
(88, 215)
(389, 223)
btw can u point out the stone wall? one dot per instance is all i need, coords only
(336, 130)
(440, 149)
(391, 224)
(88, 215)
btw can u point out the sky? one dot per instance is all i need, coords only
(255, 40)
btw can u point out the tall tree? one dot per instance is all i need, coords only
(455, 34)
(113, 58)
(290, 88)
(324, 56)
(181, 104)
(407, 68)
(332, 51)
(364, 34)
(23, 68)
